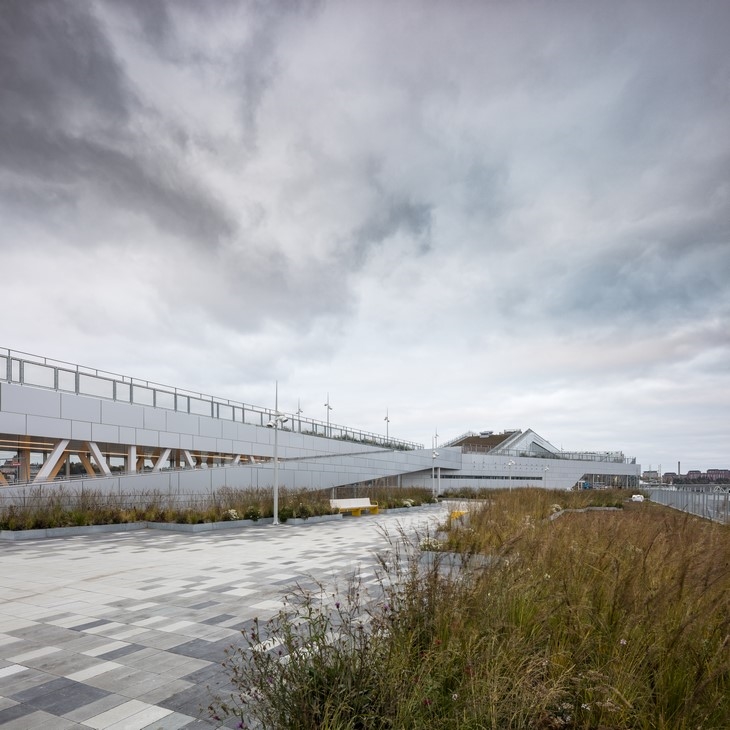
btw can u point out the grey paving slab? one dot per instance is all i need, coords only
(37, 720)
(97, 707)
(128, 629)
(68, 698)
(173, 721)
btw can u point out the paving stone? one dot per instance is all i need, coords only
(68, 698)
(145, 617)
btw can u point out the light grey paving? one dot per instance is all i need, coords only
(128, 629)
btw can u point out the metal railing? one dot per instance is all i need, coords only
(608, 457)
(707, 503)
(41, 372)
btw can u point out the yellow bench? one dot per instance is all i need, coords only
(355, 506)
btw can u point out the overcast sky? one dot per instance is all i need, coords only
(476, 215)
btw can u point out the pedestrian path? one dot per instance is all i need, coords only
(125, 631)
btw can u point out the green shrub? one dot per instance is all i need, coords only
(252, 512)
(303, 511)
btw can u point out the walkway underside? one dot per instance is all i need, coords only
(64, 458)
(112, 467)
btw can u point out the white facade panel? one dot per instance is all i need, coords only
(105, 433)
(229, 430)
(12, 422)
(81, 431)
(122, 414)
(154, 419)
(30, 401)
(182, 423)
(143, 437)
(49, 427)
(169, 440)
(203, 443)
(79, 408)
(224, 446)
(127, 435)
(209, 427)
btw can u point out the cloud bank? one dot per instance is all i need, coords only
(475, 215)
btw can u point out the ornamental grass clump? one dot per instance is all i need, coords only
(599, 619)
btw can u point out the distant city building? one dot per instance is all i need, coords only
(695, 476)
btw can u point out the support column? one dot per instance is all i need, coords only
(24, 459)
(163, 457)
(189, 461)
(86, 464)
(131, 460)
(99, 458)
(52, 465)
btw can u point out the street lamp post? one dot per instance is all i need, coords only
(329, 408)
(387, 424)
(545, 469)
(275, 423)
(434, 455)
(510, 464)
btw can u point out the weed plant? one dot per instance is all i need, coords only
(393, 497)
(597, 619)
(44, 508)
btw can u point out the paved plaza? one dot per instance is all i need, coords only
(127, 630)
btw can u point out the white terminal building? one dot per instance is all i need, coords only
(66, 424)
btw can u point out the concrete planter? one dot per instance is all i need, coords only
(14, 535)
(555, 515)
(312, 520)
(409, 509)
(201, 526)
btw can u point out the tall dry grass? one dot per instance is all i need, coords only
(44, 507)
(615, 619)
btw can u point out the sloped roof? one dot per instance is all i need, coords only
(507, 442)
(487, 442)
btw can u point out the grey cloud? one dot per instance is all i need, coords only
(643, 284)
(256, 65)
(152, 17)
(54, 57)
(65, 121)
(389, 218)
(60, 169)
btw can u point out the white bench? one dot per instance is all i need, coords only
(355, 506)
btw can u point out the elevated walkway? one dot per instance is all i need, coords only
(60, 422)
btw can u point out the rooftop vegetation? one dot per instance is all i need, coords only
(505, 618)
(44, 507)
